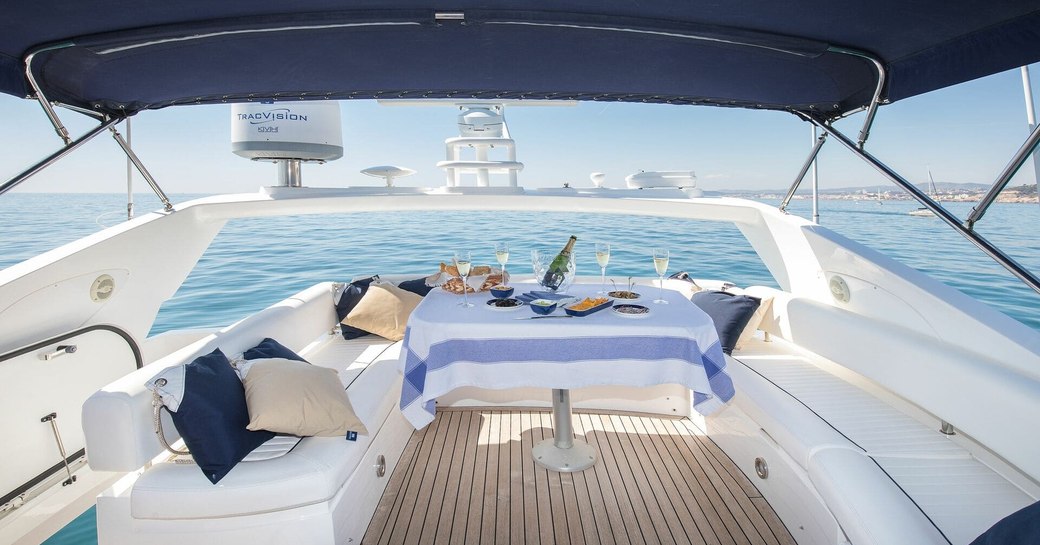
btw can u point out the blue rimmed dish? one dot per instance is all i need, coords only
(585, 312)
(542, 306)
(501, 292)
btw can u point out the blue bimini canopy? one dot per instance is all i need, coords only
(820, 57)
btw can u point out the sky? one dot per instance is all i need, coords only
(965, 133)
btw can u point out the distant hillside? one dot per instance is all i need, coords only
(806, 189)
(945, 192)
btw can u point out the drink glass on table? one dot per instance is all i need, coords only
(502, 255)
(603, 258)
(463, 264)
(661, 266)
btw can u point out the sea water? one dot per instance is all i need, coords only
(253, 263)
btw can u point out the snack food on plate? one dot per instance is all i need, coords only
(449, 280)
(455, 286)
(491, 281)
(588, 303)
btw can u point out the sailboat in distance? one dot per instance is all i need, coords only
(923, 212)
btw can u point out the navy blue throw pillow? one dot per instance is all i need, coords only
(212, 416)
(729, 312)
(270, 348)
(352, 294)
(417, 286)
(1022, 526)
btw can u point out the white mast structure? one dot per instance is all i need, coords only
(482, 127)
(1031, 120)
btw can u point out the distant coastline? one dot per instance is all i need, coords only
(947, 192)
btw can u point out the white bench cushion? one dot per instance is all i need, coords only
(310, 473)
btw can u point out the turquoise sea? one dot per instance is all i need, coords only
(256, 262)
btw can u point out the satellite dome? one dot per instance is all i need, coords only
(479, 121)
(308, 131)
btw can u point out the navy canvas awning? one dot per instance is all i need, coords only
(809, 56)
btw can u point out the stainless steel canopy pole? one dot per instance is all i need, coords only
(140, 168)
(801, 174)
(995, 253)
(75, 144)
(815, 185)
(129, 175)
(59, 128)
(1027, 89)
(1005, 176)
(875, 101)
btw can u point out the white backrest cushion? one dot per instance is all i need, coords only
(117, 420)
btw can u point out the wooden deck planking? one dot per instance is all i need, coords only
(625, 523)
(469, 478)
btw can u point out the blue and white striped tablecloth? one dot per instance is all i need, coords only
(447, 347)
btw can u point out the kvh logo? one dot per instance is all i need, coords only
(278, 114)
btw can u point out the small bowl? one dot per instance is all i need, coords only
(501, 292)
(543, 306)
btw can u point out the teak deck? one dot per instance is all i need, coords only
(469, 478)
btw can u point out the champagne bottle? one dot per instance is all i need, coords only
(560, 266)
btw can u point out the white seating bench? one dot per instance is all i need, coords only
(885, 476)
(300, 497)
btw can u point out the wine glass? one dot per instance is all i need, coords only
(661, 266)
(502, 255)
(603, 258)
(462, 263)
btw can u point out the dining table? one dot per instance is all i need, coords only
(448, 346)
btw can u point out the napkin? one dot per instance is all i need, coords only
(532, 295)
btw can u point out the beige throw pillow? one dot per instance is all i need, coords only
(295, 397)
(764, 308)
(384, 310)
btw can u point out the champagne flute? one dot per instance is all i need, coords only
(462, 263)
(661, 266)
(603, 258)
(502, 255)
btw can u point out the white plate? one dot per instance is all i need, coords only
(490, 306)
(619, 310)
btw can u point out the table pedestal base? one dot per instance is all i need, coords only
(563, 453)
(580, 456)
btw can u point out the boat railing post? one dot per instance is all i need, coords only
(986, 246)
(801, 174)
(140, 168)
